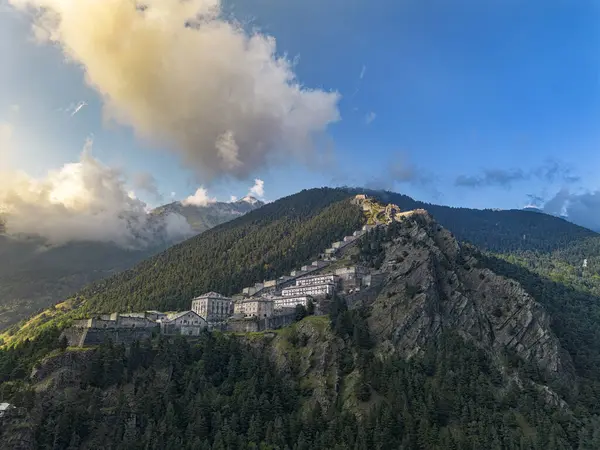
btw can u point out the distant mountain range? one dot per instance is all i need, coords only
(35, 275)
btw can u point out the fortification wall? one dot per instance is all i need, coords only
(75, 336)
(253, 325)
(82, 337)
(127, 336)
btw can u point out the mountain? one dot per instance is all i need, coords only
(202, 218)
(456, 349)
(35, 274)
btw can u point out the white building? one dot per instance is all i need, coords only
(255, 307)
(187, 323)
(317, 279)
(280, 303)
(314, 290)
(213, 307)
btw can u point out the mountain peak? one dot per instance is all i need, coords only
(248, 199)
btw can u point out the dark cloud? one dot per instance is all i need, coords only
(146, 182)
(535, 200)
(550, 172)
(400, 170)
(554, 171)
(491, 177)
(582, 209)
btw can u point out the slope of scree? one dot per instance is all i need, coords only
(432, 286)
(35, 275)
(259, 245)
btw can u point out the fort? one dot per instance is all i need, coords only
(267, 305)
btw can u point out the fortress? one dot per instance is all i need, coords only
(267, 305)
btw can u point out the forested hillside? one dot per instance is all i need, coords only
(35, 274)
(263, 244)
(323, 383)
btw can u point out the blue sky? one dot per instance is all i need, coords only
(465, 103)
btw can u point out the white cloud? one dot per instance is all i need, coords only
(78, 107)
(81, 201)
(362, 72)
(258, 190)
(217, 95)
(232, 199)
(200, 198)
(370, 117)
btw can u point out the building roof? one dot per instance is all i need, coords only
(212, 294)
(310, 277)
(256, 299)
(292, 297)
(305, 286)
(177, 315)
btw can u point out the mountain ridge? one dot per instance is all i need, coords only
(34, 274)
(449, 354)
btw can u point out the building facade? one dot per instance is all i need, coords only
(281, 303)
(213, 307)
(187, 323)
(317, 279)
(313, 290)
(255, 307)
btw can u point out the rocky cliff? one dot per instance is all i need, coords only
(432, 284)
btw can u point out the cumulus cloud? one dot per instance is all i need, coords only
(370, 117)
(232, 199)
(82, 201)
(186, 78)
(551, 172)
(199, 198)
(258, 190)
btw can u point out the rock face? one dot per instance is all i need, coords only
(432, 285)
(61, 369)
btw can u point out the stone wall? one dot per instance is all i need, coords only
(253, 325)
(82, 337)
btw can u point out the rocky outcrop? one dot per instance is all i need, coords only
(60, 369)
(432, 285)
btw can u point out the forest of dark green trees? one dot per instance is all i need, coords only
(220, 393)
(261, 245)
